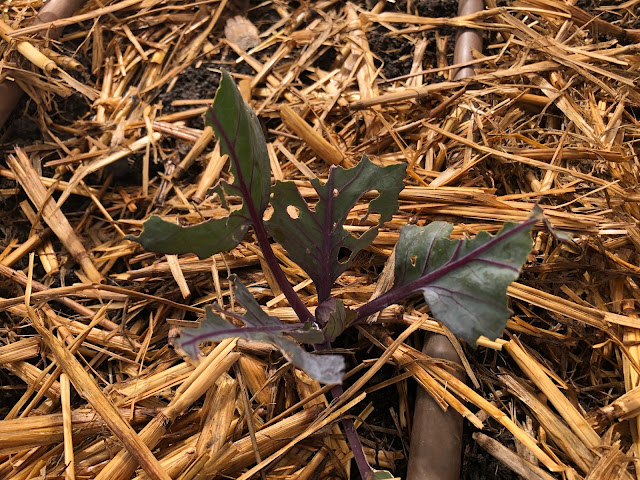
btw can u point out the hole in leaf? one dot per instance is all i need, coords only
(343, 255)
(414, 259)
(335, 192)
(293, 212)
(371, 195)
(370, 218)
(267, 214)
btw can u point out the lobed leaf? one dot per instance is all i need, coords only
(464, 282)
(204, 239)
(241, 137)
(263, 328)
(316, 238)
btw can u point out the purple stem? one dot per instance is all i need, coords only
(294, 300)
(296, 303)
(354, 441)
(349, 429)
(301, 310)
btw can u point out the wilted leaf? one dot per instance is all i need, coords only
(316, 239)
(240, 135)
(463, 281)
(263, 328)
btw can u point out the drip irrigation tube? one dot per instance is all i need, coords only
(10, 92)
(436, 437)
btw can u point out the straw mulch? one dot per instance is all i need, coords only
(112, 133)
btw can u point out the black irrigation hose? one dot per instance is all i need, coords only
(436, 438)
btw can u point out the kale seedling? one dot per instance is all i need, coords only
(464, 282)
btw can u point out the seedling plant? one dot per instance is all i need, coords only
(463, 281)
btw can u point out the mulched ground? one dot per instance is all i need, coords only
(550, 118)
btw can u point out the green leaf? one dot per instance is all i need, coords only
(308, 334)
(334, 318)
(463, 281)
(241, 137)
(382, 475)
(316, 238)
(204, 239)
(263, 328)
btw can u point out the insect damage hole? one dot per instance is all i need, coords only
(293, 212)
(343, 255)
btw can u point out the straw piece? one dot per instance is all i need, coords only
(240, 454)
(309, 388)
(624, 407)
(631, 375)
(217, 362)
(103, 162)
(59, 224)
(211, 174)
(319, 145)
(21, 350)
(362, 58)
(59, 185)
(29, 51)
(20, 434)
(515, 463)
(152, 384)
(65, 400)
(590, 316)
(314, 427)
(255, 376)
(86, 386)
(46, 252)
(196, 150)
(566, 440)
(178, 276)
(565, 408)
(30, 373)
(220, 404)
(188, 267)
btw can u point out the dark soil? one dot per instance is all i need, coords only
(200, 82)
(395, 53)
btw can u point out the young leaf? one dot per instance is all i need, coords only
(382, 475)
(316, 239)
(263, 328)
(334, 318)
(240, 135)
(463, 281)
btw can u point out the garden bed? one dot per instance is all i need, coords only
(113, 132)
